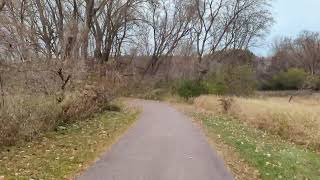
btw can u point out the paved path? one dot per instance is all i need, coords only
(163, 145)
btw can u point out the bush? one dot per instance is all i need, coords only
(188, 89)
(242, 81)
(312, 82)
(217, 88)
(232, 80)
(171, 86)
(26, 117)
(155, 94)
(293, 79)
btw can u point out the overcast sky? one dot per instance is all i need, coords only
(292, 17)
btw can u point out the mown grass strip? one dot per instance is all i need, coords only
(274, 157)
(63, 153)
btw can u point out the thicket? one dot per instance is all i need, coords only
(42, 96)
(40, 39)
(239, 80)
(191, 88)
(292, 79)
(228, 80)
(312, 82)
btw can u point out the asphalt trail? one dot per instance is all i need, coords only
(163, 145)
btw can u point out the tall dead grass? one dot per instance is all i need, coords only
(37, 99)
(297, 121)
(25, 117)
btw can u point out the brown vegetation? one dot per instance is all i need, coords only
(63, 60)
(299, 54)
(297, 120)
(37, 98)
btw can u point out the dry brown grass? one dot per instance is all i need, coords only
(38, 97)
(28, 116)
(298, 121)
(24, 117)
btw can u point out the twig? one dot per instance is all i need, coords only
(2, 91)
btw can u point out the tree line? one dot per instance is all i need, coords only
(108, 29)
(294, 63)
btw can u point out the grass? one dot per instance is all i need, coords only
(24, 117)
(298, 121)
(63, 153)
(274, 157)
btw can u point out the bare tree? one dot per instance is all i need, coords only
(89, 15)
(302, 52)
(168, 23)
(225, 24)
(2, 4)
(111, 27)
(307, 51)
(107, 29)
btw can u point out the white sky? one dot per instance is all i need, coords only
(292, 17)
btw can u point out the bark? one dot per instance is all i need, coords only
(60, 23)
(2, 4)
(45, 30)
(89, 13)
(2, 91)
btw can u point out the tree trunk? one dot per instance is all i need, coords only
(60, 25)
(98, 50)
(151, 68)
(2, 91)
(2, 4)
(86, 31)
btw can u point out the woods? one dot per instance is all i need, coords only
(78, 54)
(66, 65)
(297, 58)
(96, 50)
(103, 29)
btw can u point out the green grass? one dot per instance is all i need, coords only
(63, 153)
(274, 157)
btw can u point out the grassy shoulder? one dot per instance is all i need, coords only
(64, 153)
(232, 158)
(273, 157)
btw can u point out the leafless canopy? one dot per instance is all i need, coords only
(107, 29)
(301, 52)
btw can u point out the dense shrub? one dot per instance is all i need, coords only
(241, 80)
(217, 88)
(153, 94)
(292, 79)
(27, 116)
(312, 82)
(234, 80)
(188, 89)
(36, 99)
(171, 86)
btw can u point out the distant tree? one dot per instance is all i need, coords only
(306, 51)
(168, 23)
(229, 24)
(302, 52)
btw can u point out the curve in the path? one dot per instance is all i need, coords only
(163, 145)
